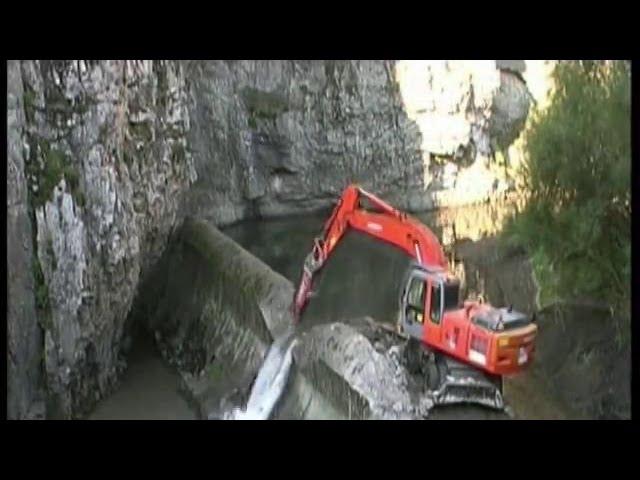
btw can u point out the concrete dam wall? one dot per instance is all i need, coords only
(214, 310)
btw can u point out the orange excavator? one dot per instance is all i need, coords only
(469, 346)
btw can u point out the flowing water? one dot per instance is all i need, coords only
(270, 382)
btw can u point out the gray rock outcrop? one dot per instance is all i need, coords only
(106, 163)
(24, 344)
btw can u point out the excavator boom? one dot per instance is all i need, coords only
(385, 223)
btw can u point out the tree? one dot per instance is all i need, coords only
(577, 173)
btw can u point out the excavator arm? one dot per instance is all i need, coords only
(381, 221)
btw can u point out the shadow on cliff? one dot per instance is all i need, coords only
(285, 138)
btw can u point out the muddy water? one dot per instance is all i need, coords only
(149, 390)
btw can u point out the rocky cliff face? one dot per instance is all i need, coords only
(106, 163)
(24, 343)
(273, 138)
(106, 158)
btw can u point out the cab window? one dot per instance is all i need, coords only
(415, 300)
(436, 302)
(451, 294)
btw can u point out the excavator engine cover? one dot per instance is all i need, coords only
(501, 319)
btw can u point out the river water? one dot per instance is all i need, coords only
(149, 389)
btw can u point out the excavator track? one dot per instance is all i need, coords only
(449, 381)
(460, 383)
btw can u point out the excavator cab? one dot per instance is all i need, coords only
(428, 315)
(425, 298)
(498, 340)
(412, 305)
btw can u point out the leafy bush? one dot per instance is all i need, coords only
(577, 173)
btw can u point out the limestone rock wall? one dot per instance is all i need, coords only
(24, 336)
(106, 164)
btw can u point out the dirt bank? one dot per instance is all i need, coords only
(580, 371)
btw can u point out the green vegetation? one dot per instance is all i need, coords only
(56, 166)
(178, 153)
(216, 372)
(29, 100)
(262, 105)
(42, 295)
(142, 131)
(577, 222)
